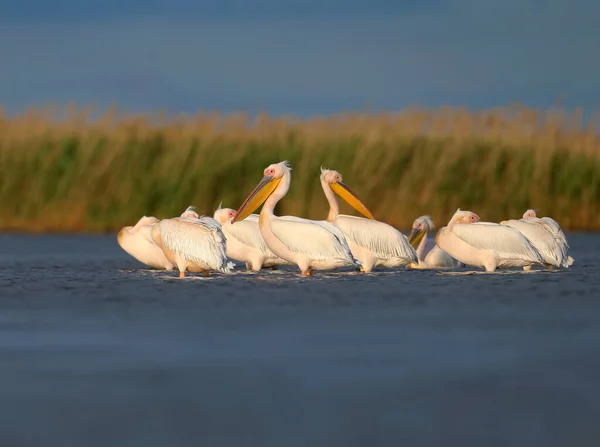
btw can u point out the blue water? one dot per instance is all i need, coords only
(96, 350)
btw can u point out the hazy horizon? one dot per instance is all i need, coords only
(299, 57)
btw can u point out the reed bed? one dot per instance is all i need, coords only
(68, 170)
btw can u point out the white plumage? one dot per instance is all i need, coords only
(244, 241)
(320, 239)
(372, 242)
(542, 239)
(376, 243)
(146, 251)
(192, 243)
(485, 244)
(557, 233)
(307, 243)
(506, 243)
(430, 255)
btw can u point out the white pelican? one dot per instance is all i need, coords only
(429, 257)
(485, 244)
(546, 235)
(311, 245)
(557, 232)
(147, 252)
(372, 242)
(191, 242)
(244, 241)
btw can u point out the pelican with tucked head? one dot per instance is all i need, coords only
(372, 242)
(546, 235)
(429, 257)
(311, 245)
(191, 242)
(131, 240)
(556, 231)
(244, 241)
(485, 244)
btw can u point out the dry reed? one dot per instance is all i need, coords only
(64, 171)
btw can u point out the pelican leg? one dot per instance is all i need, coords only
(206, 273)
(527, 268)
(182, 265)
(307, 272)
(489, 263)
(490, 267)
(256, 263)
(367, 265)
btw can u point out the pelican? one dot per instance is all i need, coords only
(485, 244)
(311, 245)
(131, 240)
(429, 257)
(244, 241)
(372, 242)
(545, 235)
(191, 242)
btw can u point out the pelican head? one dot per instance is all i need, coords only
(463, 217)
(224, 215)
(420, 227)
(272, 176)
(529, 214)
(335, 181)
(190, 212)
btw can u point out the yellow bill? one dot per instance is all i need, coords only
(415, 237)
(264, 189)
(351, 199)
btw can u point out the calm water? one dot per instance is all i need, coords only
(96, 350)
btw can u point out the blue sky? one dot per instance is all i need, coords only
(299, 56)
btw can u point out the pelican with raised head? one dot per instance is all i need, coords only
(191, 242)
(146, 251)
(372, 242)
(244, 241)
(309, 244)
(485, 244)
(429, 256)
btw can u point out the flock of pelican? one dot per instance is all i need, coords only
(200, 244)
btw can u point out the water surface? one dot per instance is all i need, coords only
(96, 350)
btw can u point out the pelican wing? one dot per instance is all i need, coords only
(319, 239)
(503, 240)
(198, 240)
(557, 232)
(247, 232)
(322, 223)
(378, 237)
(541, 236)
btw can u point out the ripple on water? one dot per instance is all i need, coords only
(98, 350)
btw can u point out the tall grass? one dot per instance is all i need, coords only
(67, 172)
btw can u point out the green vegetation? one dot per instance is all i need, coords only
(76, 174)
